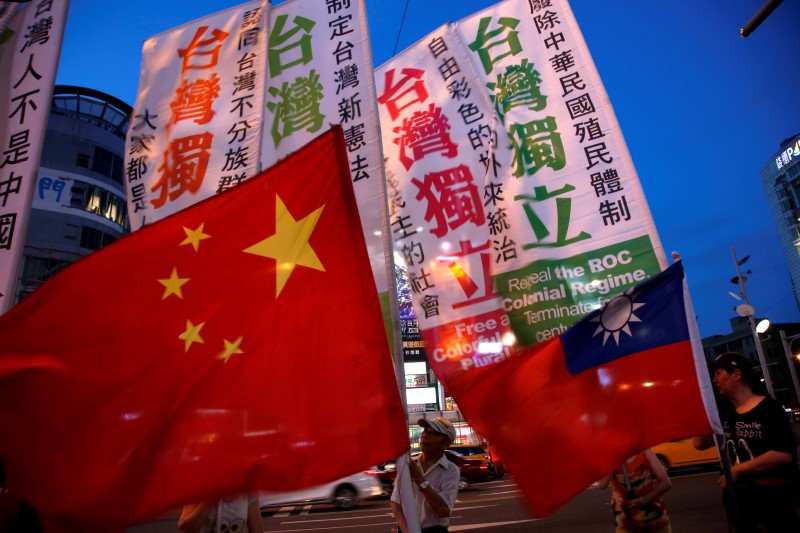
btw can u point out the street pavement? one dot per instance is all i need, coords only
(694, 505)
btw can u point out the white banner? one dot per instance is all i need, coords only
(195, 130)
(320, 73)
(581, 229)
(552, 221)
(438, 138)
(29, 53)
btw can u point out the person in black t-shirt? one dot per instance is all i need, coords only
(760, 447)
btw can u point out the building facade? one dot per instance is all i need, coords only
(426, 396)
(79, 202)
(741, 340)
(780, 177)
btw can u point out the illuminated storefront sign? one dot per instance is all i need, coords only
(785, 157)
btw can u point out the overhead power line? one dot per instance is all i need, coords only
(399, 31)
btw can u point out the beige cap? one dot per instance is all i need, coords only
(441, 425)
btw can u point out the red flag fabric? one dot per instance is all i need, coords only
(234, 346)
(565, 413)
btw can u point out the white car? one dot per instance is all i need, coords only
(344, 493)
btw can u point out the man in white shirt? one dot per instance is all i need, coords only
(435, 478)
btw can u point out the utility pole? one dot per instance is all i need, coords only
(751, 311)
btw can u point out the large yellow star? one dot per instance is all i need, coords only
(289, 245)
(194, 237)
(173, 284)
(192, 334)
(231, 348)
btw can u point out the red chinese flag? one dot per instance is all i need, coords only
(235, 346)
(565, 413)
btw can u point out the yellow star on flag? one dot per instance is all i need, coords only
(173, 284)
(192, 334)
(194, 237)
(289, 245)
(231, 348)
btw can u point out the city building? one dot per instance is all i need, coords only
(780, 177)
(426, 396)
(79, 202)
(741, 340)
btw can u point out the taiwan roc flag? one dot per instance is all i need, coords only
(235, 346)
(626, 377)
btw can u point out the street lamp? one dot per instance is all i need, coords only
(759, 17)
(787, 348)
(747, 310)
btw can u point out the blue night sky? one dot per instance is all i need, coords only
(701, 109)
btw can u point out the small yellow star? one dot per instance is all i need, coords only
(231, 348)
(289, 245)
(192, 334)
(173, 284)
(194, 237)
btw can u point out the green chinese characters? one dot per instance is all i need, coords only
(296, 105)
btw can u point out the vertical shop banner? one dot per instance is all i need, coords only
(195, 130)
(320, 73)
(30, 48)
(582, 229)
(444, 187)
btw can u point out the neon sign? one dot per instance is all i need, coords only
(785, 157)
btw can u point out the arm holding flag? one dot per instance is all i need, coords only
(434, 499)
(405, 510)
(769, 461)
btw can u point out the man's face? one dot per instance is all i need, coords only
(724, 381)
(431, 442)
